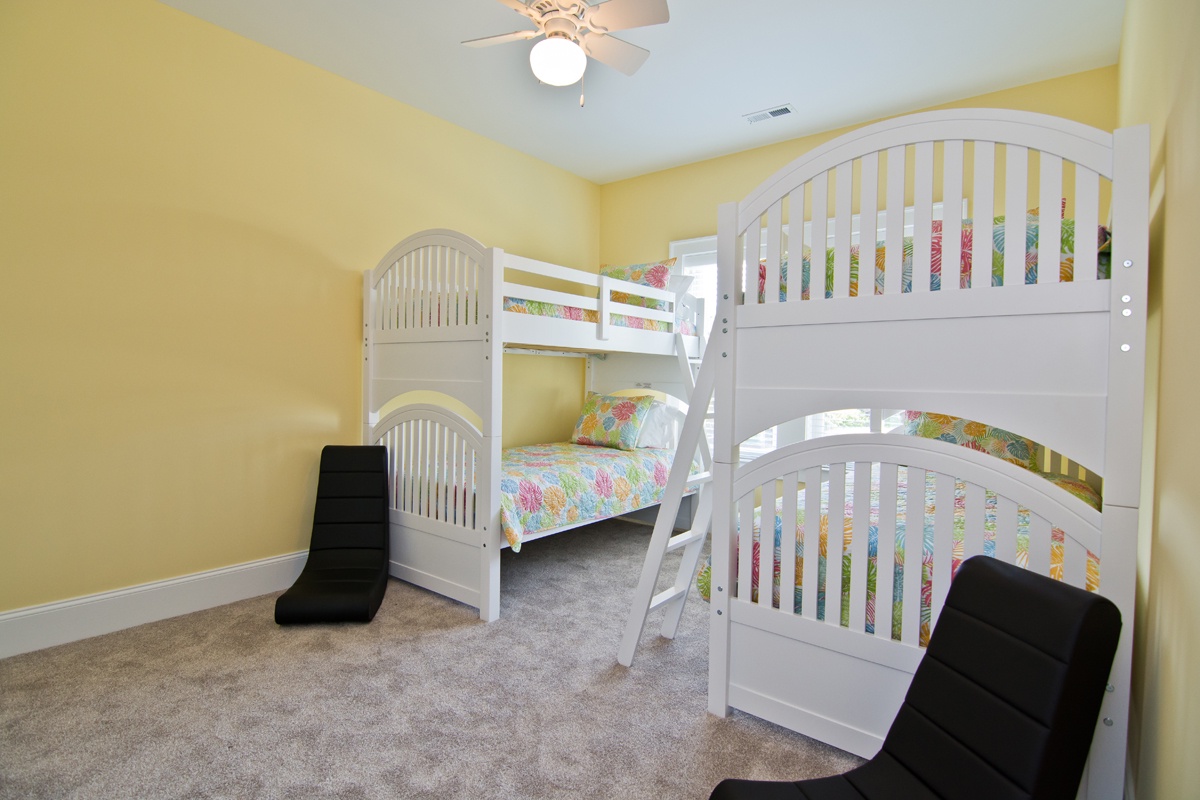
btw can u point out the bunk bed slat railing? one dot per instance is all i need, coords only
(952, 216)
(868, 225)
(860, 546)
(894, 234)
(431, 292)
(820, 227)
(1015, 204)
(796, 207)
(945, 518)
(789, 493)
(774, 245)
(886, 551)
(835, 541)
(922, 237)
(915, 242)
(943, 543)
(844, 210)
(1087, 208)
(1050, 217)
(434, 456)
(811, 540)
(913, 565)
(766, 547)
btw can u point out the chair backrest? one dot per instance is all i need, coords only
(351, 509)
(1005, 701)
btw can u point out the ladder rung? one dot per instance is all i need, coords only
(699, 478)
(684, 539)
(670, 595)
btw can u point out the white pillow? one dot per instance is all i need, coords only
(659, 428)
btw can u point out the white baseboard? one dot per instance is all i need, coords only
(37, 627)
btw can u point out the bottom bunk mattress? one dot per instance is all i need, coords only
(544, 487)
(923, 508)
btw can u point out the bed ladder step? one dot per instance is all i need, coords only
(692, 443)
(674, 594)
(684, 539)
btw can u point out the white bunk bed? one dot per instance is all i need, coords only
(439, 312)
(1058, 361)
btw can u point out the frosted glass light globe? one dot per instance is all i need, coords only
(557, 61)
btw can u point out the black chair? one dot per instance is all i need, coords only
(345, 577)
(1003, 705)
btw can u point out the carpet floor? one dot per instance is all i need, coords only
(426, 701)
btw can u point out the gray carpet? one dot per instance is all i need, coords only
(424, 702)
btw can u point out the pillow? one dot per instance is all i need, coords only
(656, 273)
(611, 421)
(657, 428)
(975, 435)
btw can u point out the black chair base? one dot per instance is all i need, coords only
(345, 577)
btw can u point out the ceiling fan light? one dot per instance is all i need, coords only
(557, 61)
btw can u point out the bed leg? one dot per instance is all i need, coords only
(489, 581)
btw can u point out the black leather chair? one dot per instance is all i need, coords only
(1003, 705)
(345, 577)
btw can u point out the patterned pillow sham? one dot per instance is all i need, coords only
(655, 273)
(975, 435)
(611, 421)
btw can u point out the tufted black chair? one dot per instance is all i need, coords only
(1003, 705)
(345, 576)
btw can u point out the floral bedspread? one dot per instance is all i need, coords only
(1078, 488)
(549, 486)
(1066, 264)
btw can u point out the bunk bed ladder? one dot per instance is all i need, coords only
(692, 443)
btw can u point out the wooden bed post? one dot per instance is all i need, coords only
(367, 340)
(1123, 440)
(721, 347)
(492, 368)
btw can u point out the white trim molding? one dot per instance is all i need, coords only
(36, 627)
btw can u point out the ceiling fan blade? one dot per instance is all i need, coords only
(620, 15)
(515, 36)
(616, 53)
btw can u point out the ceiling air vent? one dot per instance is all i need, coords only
(770, 113)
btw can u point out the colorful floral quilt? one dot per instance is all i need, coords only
(548, 486)
(1066, 264)
(1078, 488)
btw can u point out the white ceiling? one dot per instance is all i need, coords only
(839, 62)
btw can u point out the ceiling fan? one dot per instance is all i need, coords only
(576, 30)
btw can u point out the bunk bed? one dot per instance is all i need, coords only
(439, 313)
(1052, 354)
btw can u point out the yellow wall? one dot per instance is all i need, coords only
(1160, 84)
(184, 218)
(641, 215)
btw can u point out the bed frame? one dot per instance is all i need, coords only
(434, 335)
(1060, 362)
